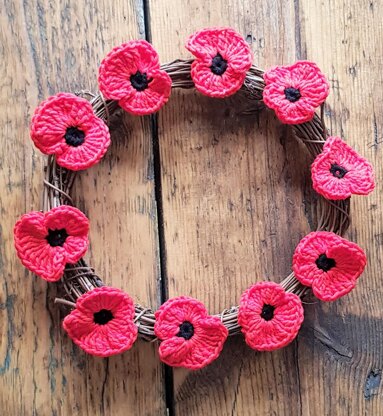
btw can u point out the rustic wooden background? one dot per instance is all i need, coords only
(203, 201)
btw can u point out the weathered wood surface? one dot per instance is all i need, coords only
(231, 211)
(49, 47)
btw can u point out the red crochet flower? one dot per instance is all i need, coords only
(46, 241)
(295, 91)
(131, 74)
(190, 337)
(270, 317)
(329, 264)
(103, 322)
(66, 126)
(339, 171)
(223, 58)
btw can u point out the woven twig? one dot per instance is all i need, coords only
(79, 278)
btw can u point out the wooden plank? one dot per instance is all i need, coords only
(49, 47)
(346, 337)
(234, 208)
(232, 195)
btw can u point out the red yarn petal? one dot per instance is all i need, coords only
(198, 352)
(65, 216)
(151, 99)
(33, 249)
(328, 285)
(358, 180)
(148, 60)
(172, 351)
(43, 260)
(205, 46)
(323, 288)
(294, 114)
(350, 263)
(75, 248)
(311, 82)
(304, 76)
(105, 297)
(31, 224)
(114, 337)
(282, 328)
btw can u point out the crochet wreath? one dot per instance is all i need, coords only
(73, 130)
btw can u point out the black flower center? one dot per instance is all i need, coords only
(267, 312)
(338, 171)
(218, 65)
(56, 237)
(292, 94)
(186, 330)
(102, 317)
(139, 81)
(74, 136)
(325, 263)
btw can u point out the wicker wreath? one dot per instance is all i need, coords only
(73, 130)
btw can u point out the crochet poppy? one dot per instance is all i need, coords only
(66, 126)
(103, 322)
(329, 264)
(270, 317)
(46, 241)
(131, 75)
(190, 337)
(223, 58)
(294, 92)
(339, 171)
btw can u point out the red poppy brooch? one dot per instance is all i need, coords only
(65, 125)
(103, 322)
(72, 129)
(131, 75)
(189, 337)
(339, 171)
(222, 59)
(294, 92)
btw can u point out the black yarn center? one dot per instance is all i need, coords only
(139, 81)
(218, 65)
(338, 171)
(56, 237)
(186, 330)
(74, 136)
(267, 312)
(325, 263)
(102, 317)
(292, 94)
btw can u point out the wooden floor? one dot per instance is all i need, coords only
(206, 204)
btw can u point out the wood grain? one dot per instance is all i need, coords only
(347, 354)
(233, 192)
(49, 47)
(234, 207)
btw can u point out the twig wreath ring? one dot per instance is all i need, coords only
(72, 129)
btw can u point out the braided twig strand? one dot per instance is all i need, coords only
(79, 278)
